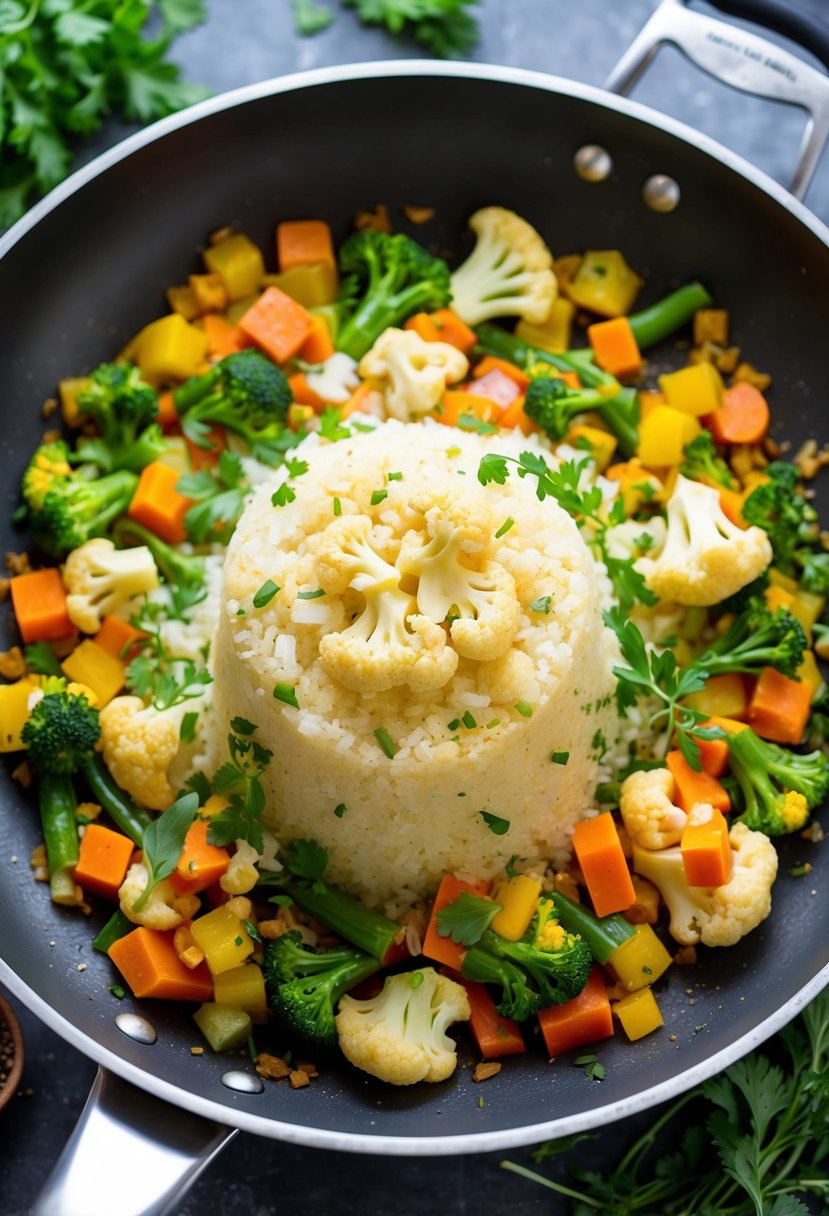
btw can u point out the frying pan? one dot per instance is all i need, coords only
(88, 266)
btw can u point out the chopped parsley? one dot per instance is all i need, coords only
(377, 496)
(468, 422)
(468, 721)
(415, 979)
(524, 708)
(283, 495)
(394, 476)
(340, 809)
(338, 506)
(559, 757)
(242, 727)
(593, 1070)
(466, 918)
(543, 604)
(187, 730)
(496, 825)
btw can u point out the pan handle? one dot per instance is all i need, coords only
(131, 1154)
(742, 59)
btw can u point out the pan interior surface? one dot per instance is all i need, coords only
(91, 272)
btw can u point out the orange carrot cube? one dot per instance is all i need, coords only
(606, 875)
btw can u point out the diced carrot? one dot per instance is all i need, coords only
(491, 363)
(222, 335)
(103, 859)
(148, 961)
(358, 399)
(304, 394)
(455, 403)
(318, 346)
(779, 707)
(705, 848)
(276, 324)
(158, 505)
(206, 458)
(303, 242)
(615, 347)
(732, 506)
(452, 329)
(713, 754)
(494, 1034)
(443, 949)
(601, 859)
(693, 787)
(585, 1019)
(424, 327)
(39, 602)
(118, 638)
(743, 415)
(497, 386)
(201, 863)
(515, 416)
(167, 416)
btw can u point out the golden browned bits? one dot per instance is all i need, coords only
(485, 1070)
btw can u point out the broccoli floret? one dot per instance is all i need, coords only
(76, 509)
(385, 279)
(61, 732)
(814, 573)
(550, 403)
(177, 568)
(49, 466)
(124, 409)
(740, 600)
(702, 463)
(789, 519)
(304, 985)
(779, 787)
(245, 393)
(758, 638)
(548, 966)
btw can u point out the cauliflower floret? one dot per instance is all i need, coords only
(482, 604)
(100, 579)
(648, 810)
(400, 1035)
(335, 379)
(241, 875)
(634, 538)
(412, 373)
(164, 909)
(509, 679)
(717, 916)
(389, 644)
(509, 273)
(142, 745)
(705, 557)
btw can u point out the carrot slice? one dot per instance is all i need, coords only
(491, 363)
(303, 242)
(276, 324)
(693, 787)
(318, 346)
(304, 394)
(424, 326)
(494, 1034)
(456, 403)
(743, 415)
(222, 336)
(443, 949)
(615, 347)
(585, 1019)
(450, 328)
(779, 707)
(39, 601)
(515, 416)
(148, 961)
(705, 848)
(602, 861)
(103, 859)
(201, 863)
(158, 505)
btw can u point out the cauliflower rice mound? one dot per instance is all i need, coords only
(400, 610)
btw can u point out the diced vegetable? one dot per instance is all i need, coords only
(585, 1019)
(68, 390)
(276, 324)
(148, 961)
(450, 328)
(494, 1034)
(39, 602)
(599, 852)
(103, 859)
(639, 1014)
(118, 638)
(14, 711)
(779, 707)
(223, 939)
(158, 505)
(91, 665)
(554, 334)
(694, 390)
(742, 417)
(706, 852)
(512, 371)
(664, 435)
(201, 863)
(436, 947)
(604, 283)
(223, 338)
(693, 787)
(242, 987)
(615, 348)
(496, 386)
(641, 960)
(239, 264)
(314, 286)
(603, 934)
(318, 346)
(723, 697)
(518, 897)
(304, 243)
(456, 404)
(117, 926)
(224, 1028)
(168, 349)
(600, 444)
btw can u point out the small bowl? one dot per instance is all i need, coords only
(9, 1030)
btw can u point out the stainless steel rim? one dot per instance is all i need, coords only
(345, 1141)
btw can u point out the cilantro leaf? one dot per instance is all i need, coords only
(163, 841)
(239, 780)
(307, 859)
(465, 919)
(443, 27)
(496, 825)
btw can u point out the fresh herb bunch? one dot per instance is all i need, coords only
(238, 780)
(65, 64)
(766, 1120)
(444, 27)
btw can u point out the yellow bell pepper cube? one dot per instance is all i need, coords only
(723, 697)
(214, 806)
(810, 672)
(182, 300)
(636, 484)
(313, 286)
(639, 1014)
(169, 349)
(695, 390)
(600, 444)
(553, 335)
(808, 608)
(15, 707)
(518, 898)
(209, 292)
(242, 987)
(68, 390)
(222, 938)
(778, 597)
(640, 960)
(238, 263)
(663, 436)
(778, 579)
(90, 664)
(605, 283)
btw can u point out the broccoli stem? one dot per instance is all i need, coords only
(176, 567)
(603, 934)
(58, 805)
(128, 817)
(346, 917)
(193, 390)
(663, 318)
(116, 927)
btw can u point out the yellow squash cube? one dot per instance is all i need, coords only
(518, 897)
(600, 444)
(723, 697)
(223, 939)
(808, 608)
(313, 286)
(810, 672)
(664, 434)
(554, 334)
(168, 349)
(243, 988)
(238, 263)
(695, 390)
(640, 960)
(15, 708)
(604, 283)
(208, 291)
(68, 390)
(638, 1013)
(183, 301)
(91, 665)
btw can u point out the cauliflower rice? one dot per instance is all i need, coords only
(474, 709)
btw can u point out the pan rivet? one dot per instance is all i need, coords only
(593, 163)
(135, 1027)
(242, 1082)
(661, 193)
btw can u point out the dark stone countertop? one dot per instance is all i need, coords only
(246, 41)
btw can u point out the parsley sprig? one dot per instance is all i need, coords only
(163, 841)
(159, 677)
(466, 918)
(239, 780)
(219, 499)
(443, 27)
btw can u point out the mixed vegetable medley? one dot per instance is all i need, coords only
(716, 570)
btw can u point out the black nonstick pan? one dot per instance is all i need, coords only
(88, 266)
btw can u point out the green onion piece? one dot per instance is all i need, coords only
(394, 476)
(505, 527)
(286, 693)
(265, 594)
(340, 809)
(310, 595)
(524, 708)
(468, 721)
(542, 604)
(338, 506)
(560, 757)
(187, 730)
(386, 742)
(377, 497)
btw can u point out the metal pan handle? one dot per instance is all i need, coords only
(747, 62)
(131, 1154)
